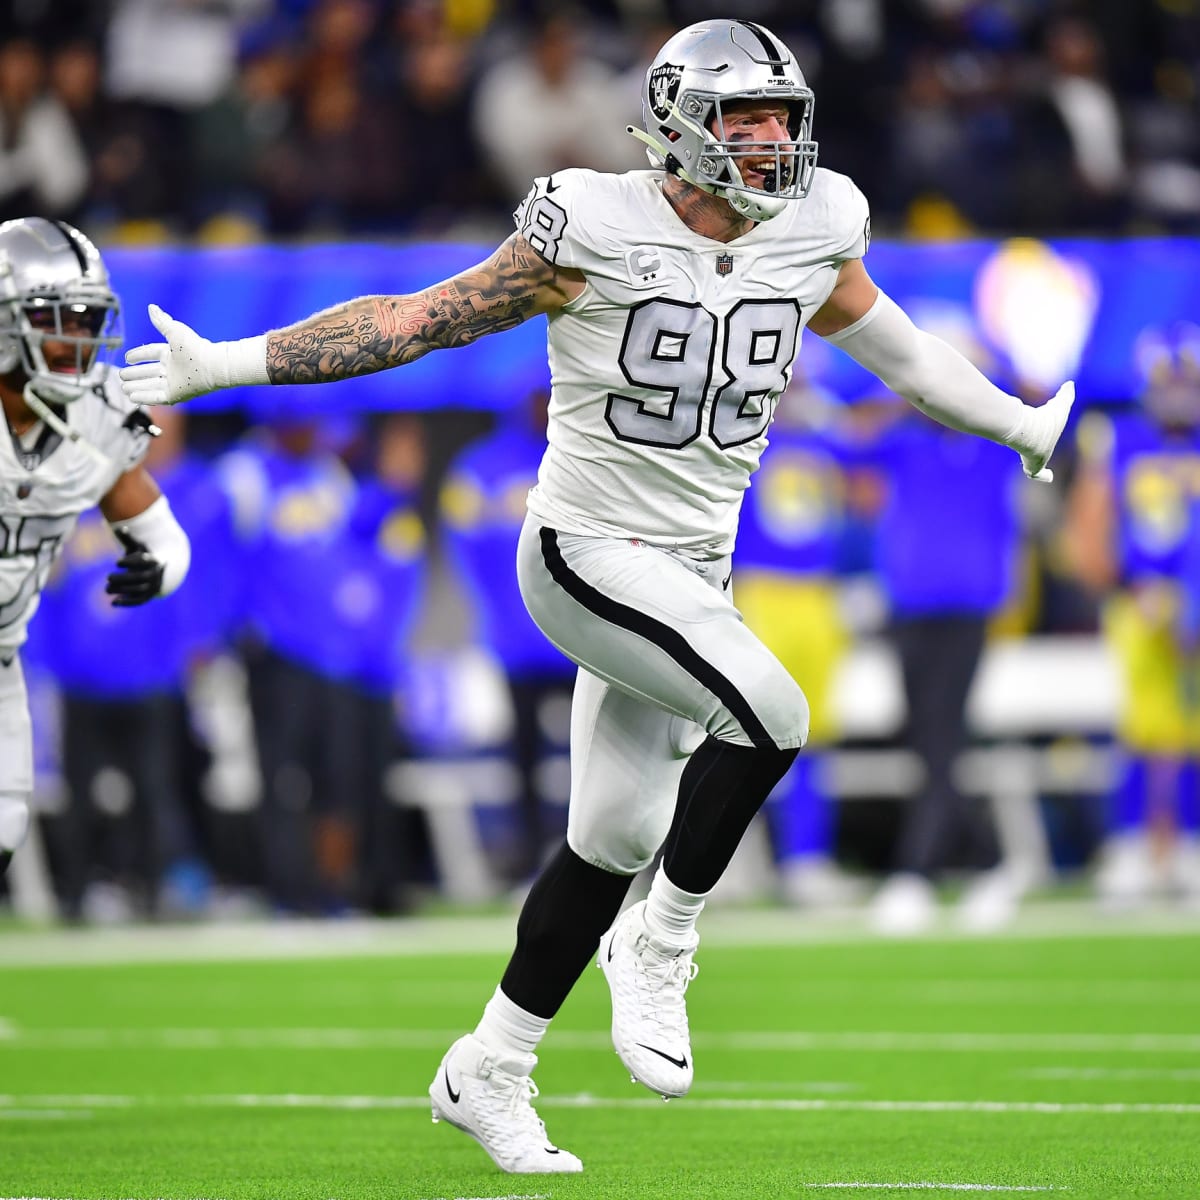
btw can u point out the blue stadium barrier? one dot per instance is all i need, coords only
(1073, 306)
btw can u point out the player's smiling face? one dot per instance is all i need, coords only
(753, 125)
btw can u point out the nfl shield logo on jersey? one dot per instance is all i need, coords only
(724, 264)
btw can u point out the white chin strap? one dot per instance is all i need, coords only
(51, 418)
(754, 206)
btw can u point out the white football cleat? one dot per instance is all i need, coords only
(648, 981)
(816, 881)
(1126, 874)
(1185, 869)
(990, 901)
(491, 1101)
(905, 905)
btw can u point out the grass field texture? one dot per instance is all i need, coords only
(825, 1067)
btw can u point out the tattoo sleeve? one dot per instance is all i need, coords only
(374, 333)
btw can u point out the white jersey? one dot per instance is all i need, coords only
(665, 371)
(45, 487)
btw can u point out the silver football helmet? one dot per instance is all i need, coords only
(693, 79)
(59, 317)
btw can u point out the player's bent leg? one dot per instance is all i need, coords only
(491, 1100)
(628, 757)
(662, 634)
(648, 955)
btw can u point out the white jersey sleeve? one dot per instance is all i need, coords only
(849, 218)
(556, 219)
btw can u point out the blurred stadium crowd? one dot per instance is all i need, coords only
(230, 119)
(347, 707)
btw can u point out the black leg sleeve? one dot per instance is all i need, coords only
(723, 786)
(565, 915)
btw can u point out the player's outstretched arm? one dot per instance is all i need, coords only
(933, 376)
(359, 337)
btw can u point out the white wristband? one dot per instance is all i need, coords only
(163, 536)
(242, 363)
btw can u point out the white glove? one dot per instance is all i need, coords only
(1038, 430)
(187, 365)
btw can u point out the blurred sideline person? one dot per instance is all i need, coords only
(1133, 527)
(787, 557)
(942, 592)
(294, 501)
(73, 441)
(676, 298)
(381, 588)
(483, 505)
(136, 837)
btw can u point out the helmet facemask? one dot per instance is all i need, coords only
(66, 343)
(722, 158)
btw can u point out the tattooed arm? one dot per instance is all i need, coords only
(359, 337)
(376, 332)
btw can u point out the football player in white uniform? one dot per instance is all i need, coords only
(675, 300)
(71, 441)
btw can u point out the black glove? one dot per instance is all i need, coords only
(138, 577)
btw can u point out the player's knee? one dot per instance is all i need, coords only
(14, 819)
(785, 717)
(779, 714)
(625, 851)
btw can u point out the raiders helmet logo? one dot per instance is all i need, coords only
(662, 88)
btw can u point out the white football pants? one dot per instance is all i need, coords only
(665, 659)
(16, 752)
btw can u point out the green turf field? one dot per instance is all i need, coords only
(831, 1066)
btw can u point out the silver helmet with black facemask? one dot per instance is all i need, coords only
(59, 317)
(689, 88)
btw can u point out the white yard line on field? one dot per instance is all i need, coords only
(1041, 993)
(945, 1187)
(586, 1100)
(44, 1114)
(467, 934)
(1109, 1073)
(759, 1041)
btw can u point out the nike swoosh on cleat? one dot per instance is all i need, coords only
(680, 1062)
(452, 1093)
